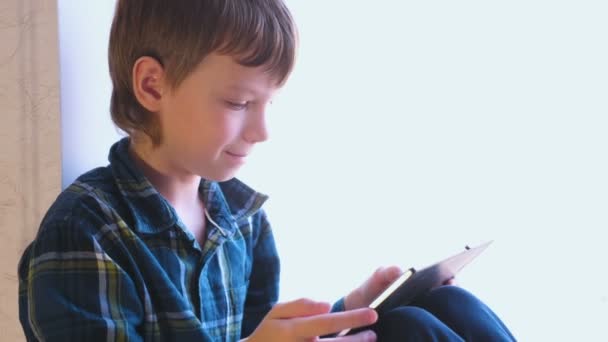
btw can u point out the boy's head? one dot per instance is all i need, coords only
(194, 76)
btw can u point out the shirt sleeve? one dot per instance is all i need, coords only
(263, 291)
(72, 290)
(338, 306)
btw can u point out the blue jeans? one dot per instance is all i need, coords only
(447, 313)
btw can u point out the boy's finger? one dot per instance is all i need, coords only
(391, 274)
(451, 281)
(299, 308)
(330, 323)
(382, 278)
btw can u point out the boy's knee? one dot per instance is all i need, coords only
(449, 303)
(447, 293)
(408, 323)
(408, 315)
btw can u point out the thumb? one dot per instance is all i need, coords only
(383, 277)
(390, 274)
(380, 280)
(299, 308)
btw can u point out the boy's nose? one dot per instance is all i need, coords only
(257, 131)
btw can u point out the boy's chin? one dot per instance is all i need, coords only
(224, 179)
(220, 176)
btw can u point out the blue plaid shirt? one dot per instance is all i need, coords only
(113, 262)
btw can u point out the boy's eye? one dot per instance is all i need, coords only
(237, 105)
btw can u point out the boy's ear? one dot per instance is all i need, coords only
(148, 82)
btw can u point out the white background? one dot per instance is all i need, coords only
(412, 128)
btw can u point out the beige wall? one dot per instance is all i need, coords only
(30, 163)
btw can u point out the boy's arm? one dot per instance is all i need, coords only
(263, 291)
(72, 290)
(298, 320)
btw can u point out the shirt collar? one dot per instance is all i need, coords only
(227, 202)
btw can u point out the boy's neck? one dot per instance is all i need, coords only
(181, 190)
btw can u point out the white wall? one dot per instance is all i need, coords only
(87, 130)
(410, 129)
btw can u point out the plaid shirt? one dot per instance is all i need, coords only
(113, 262)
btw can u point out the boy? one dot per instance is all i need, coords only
(164, 244)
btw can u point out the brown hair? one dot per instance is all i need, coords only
(181, 33)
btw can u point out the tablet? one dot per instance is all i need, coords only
(413, 283)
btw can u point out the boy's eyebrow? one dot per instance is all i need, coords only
(238, 87)
(241, 88)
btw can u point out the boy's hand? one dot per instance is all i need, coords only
(363, 295)
(305, 320)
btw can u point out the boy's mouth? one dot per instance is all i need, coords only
(237, 155)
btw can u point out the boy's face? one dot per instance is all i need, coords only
(212, 120)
